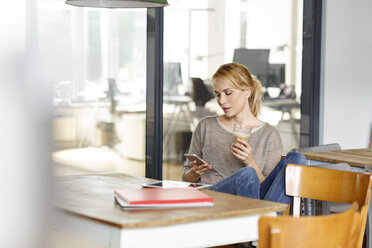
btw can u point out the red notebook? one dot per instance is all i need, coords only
(162, 198)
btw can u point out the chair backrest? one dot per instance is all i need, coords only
(112, 92)
(329, 185)
(172, 78)
(335, 230)
(320, 148)
(323, 148)
(200, 92)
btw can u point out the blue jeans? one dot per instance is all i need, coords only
(245, 182)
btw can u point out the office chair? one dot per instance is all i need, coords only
(323, 148)
(200, 92)
(112, 93)
(172, 78)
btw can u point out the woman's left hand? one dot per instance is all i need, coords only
(242, 151)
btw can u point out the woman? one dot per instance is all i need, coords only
(251, 169)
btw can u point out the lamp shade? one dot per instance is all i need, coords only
(118, 3)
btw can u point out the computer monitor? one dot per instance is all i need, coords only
(256, 60)
(172, 77)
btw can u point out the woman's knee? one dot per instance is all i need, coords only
(296, 158)
(247, 174)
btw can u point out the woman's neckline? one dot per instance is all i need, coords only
(230, 130)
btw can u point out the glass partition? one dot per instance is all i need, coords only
(97, 64)
(200, 35)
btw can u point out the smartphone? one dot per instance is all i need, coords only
(194, 157)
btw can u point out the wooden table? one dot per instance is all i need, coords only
(88, 216)
(354, 157)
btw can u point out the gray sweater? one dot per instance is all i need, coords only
(212, 141)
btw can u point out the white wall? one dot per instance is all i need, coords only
(346, 74)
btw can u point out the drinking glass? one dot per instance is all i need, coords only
(241, 131)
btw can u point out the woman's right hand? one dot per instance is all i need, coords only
(200, 169)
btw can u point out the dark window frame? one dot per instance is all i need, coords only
(311, 59)
(310, 96)
(154, 93)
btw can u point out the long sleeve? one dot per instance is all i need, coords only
(195, 148)
(212, 142)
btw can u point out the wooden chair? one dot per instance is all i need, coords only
(335, 230)
(314, 207)
(329, 185)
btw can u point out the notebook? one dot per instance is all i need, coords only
(146, 198)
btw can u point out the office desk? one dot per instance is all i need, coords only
(88, 216)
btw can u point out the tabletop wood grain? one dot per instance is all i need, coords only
(354, 157)
(91, 196)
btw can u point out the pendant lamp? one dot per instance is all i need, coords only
(118, 3)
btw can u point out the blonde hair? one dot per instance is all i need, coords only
(239, 77)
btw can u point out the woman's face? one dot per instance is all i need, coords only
(232, 101)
